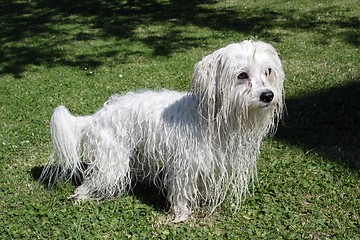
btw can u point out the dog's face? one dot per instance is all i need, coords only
(243, 77)
(257, 73)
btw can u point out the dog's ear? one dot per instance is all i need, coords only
(206, 82)
(277, 75)
(207, 72)
(276, 79)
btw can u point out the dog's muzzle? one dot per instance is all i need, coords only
(267, 96)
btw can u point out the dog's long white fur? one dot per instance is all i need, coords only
(201, 146)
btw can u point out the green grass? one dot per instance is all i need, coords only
(78, 53)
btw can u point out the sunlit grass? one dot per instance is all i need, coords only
(79, 53)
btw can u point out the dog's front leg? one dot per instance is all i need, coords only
(179, 197)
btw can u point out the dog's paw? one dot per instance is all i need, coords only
(182, 212)
(81, 194)
(181, 218)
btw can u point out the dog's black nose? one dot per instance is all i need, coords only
(267, 96)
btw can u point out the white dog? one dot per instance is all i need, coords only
(200, 146)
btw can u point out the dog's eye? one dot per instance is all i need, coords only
(243, 75)
(268, 72)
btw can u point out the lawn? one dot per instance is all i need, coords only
(78, 53)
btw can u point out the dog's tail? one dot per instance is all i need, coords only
(66, 134)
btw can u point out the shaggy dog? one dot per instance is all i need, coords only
(200, 146)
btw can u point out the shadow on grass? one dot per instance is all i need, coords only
(145, 191)
(36, 32)
(326, 122)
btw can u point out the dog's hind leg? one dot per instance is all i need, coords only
(108, 158)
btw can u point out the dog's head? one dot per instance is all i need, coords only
(243, 79)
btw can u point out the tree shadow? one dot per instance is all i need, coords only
(326, 122)
(35, 33)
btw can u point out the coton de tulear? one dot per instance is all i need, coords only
(198, 146)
